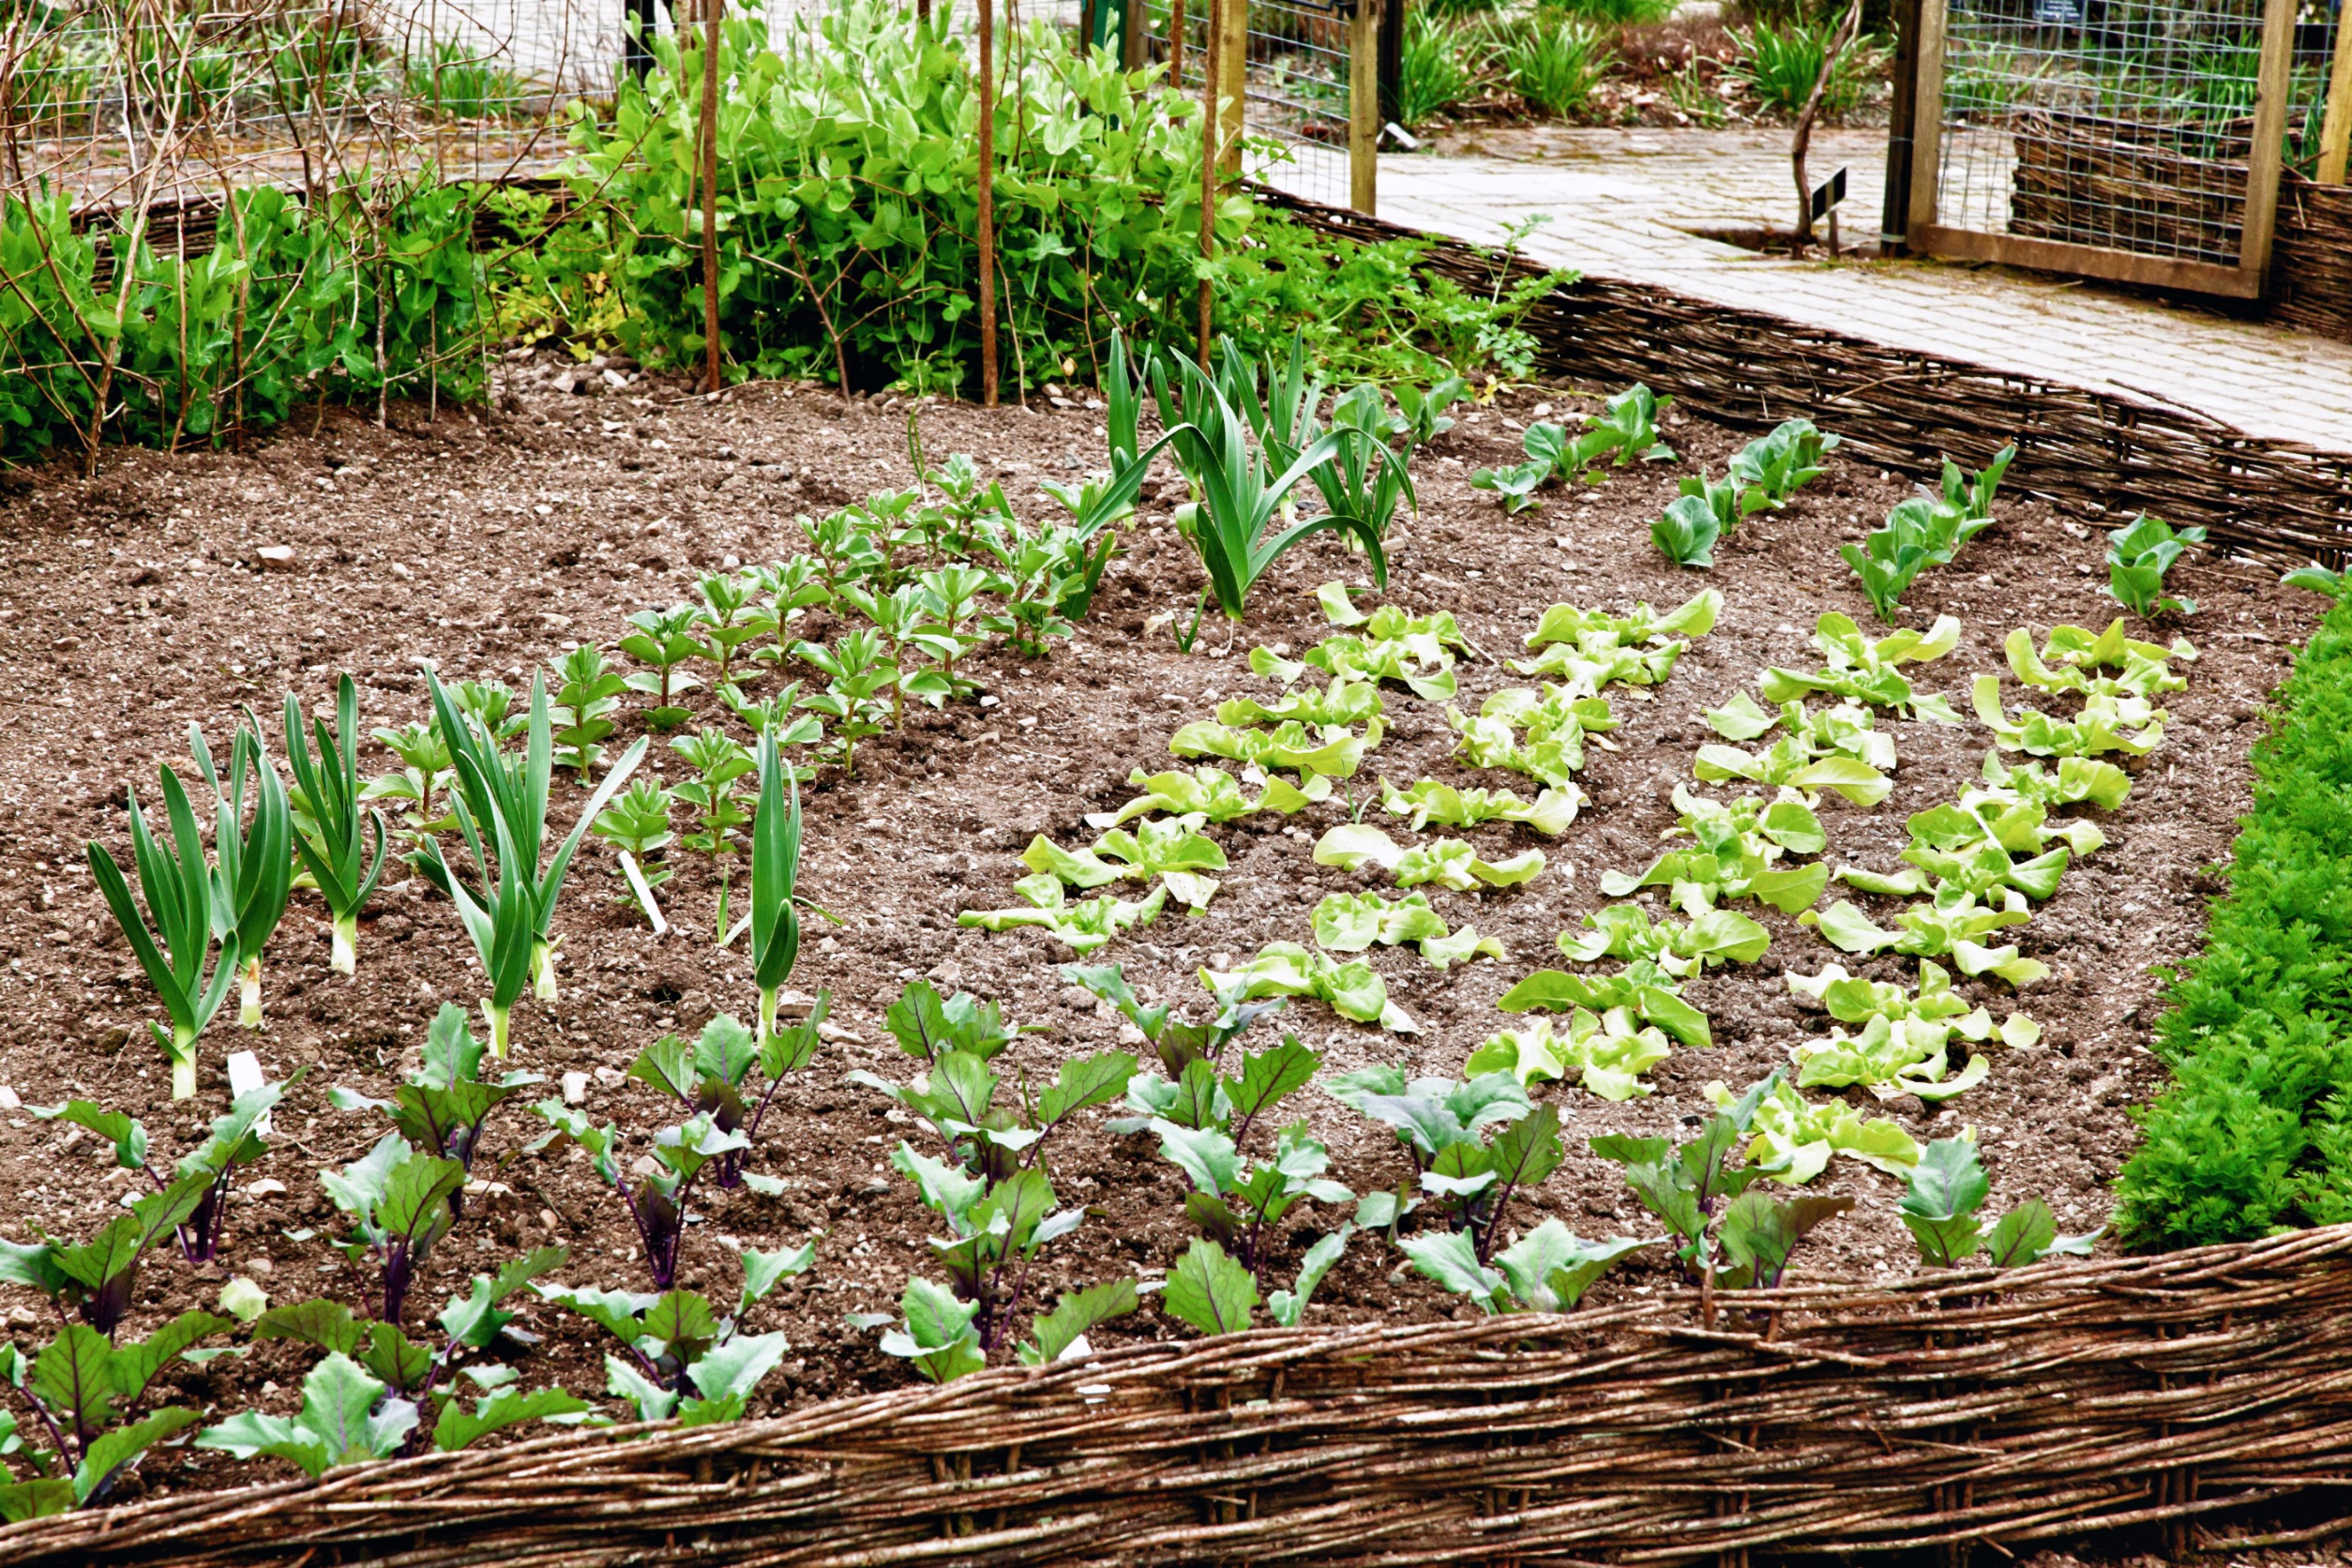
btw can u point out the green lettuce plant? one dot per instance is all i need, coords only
(1430, 801)
(2132, 725)
(1850, 999)
(1588, 649)
(2070, 655)
(1354, 990)
(1450, 863)
(1829, 749)
(1082, 926)
(1555, 725)
(1212, 794)
(1625, 931)
(1643, 991)
(1603, 1053)
(1792, 1141)
(1736, 854)
(1171, 849)
(1951, 925)
(2139, 555)
(1354, 922)
(1858, 668)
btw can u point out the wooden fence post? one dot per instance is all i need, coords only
(987, 236)
(1233, 80)
(1364, 108)
(2335, 130)
(712, 12)
(1210, 154)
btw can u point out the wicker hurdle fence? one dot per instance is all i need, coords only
(2091, 452)
(1948, 1410)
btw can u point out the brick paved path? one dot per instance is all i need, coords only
(1622, 202)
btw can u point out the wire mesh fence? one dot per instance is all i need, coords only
(2126, 125)
(1295, 86)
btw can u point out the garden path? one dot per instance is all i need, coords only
(1624, 203)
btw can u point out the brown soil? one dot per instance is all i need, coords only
(136, 603)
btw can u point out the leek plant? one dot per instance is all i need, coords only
(255, 874)
(1239, 503)
(177, 887)
(500, 801)
(330, 838)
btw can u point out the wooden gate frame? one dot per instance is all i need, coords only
(2242, 281)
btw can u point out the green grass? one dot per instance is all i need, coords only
(2256, 1133)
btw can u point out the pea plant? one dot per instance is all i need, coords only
(586, 697)
(664, 640)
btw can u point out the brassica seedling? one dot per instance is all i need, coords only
(469, 1321)
(1178, 1041)
(1943, 1193)
(1547, 1270)
(1471, 1144)
(446, 1101)
(236, 1138)
(399, 1198)
(83, 1391)
(178, 889)
(708, 1077)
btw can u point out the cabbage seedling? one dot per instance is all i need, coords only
(684, 1359)
(1443, 1126)
(1944, 1193)
(254, 870)
(178, 887)
(329, 837)
(99, 1279)
(502, 798)
(1547, 1270)
(399, 1200)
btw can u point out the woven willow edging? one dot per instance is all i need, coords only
(2086, 451)
(1956, 1407)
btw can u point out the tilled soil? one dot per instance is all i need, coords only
(136, 602)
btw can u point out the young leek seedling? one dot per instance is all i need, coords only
(330, 838)
(255, 871)
(503, 798)
(177, 887)
(775, 876)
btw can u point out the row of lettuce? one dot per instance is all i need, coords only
(848, 216)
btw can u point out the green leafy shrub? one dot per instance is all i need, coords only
(1781, 64)
(1555, 61)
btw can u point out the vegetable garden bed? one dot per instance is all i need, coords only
(174, 589)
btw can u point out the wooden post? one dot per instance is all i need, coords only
(1176, 45)
(1233, 74)
(1364, 108)
(2335, 130)
(711, 12)
(1927, 121)
(1131, 37)
(988, 203)
(1211, 156)
(2272, 89)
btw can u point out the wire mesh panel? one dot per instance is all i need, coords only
(2133, 127)
(1295, 91)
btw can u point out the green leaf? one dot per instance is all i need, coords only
(460, 1428)
(111, 1452)
(1289, 1306)
(762, 1272)
(1209, 1291)
(1449, 1258)
(732, 1370)
(1077, 1312)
